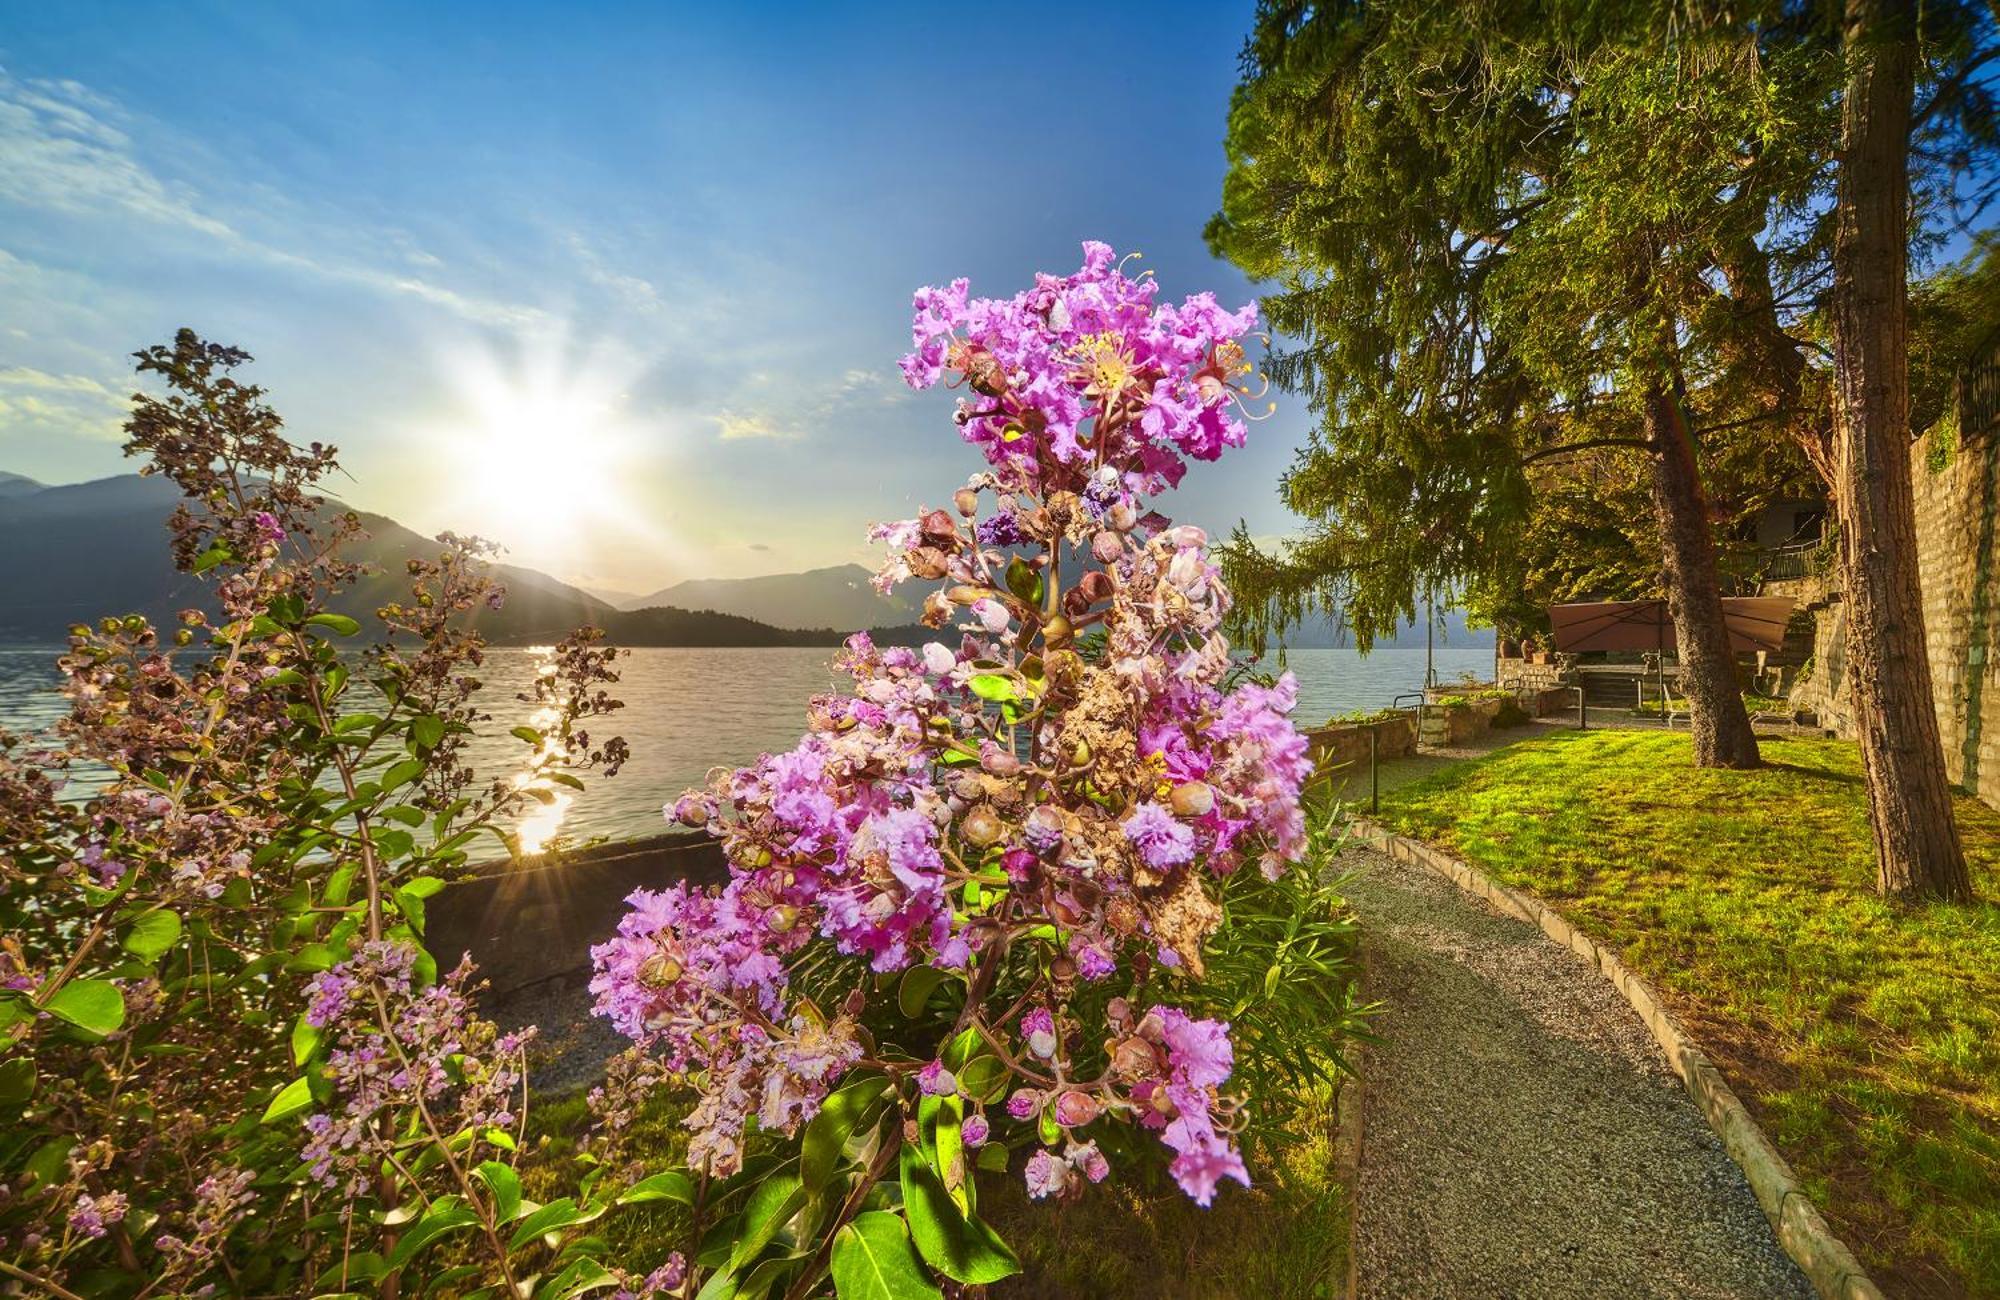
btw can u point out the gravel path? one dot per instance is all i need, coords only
(1522, 1137)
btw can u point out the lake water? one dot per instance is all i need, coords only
(687, 710)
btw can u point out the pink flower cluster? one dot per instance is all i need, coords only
(397, 1051)
(1012, 783)
(1049, 365)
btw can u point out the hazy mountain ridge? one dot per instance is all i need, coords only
(837, 596)
(77, 552)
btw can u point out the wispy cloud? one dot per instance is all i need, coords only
(844, 397)
(732, 427)
(65, 149)
(62, 151)
(39, 403)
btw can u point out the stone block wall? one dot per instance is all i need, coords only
(1347, 743)
(1957, 509)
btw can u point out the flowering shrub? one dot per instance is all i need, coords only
(226, 1062)
(968, 912)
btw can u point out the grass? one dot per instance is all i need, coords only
(1753, 704)
(1864, 1035)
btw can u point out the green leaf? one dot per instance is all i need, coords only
(338, 624)
(291, 1099)
(93, 1005)
(582, 1275)
(556, 1214)
(983, 1078)
(839, 1118)
(402, 774)
(444, 1217)
(1024, 581)
(770, 1208)
(669, 1185)
(152, 934)
(873, 1260)
(209, 558)
(313, 957)
(919, 982)
(994, 686)
(528, 734)
(305, 1039)
(962, 1248)
(427, 731)
(506, 1185)
(17, 1081)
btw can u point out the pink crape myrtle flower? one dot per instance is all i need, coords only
(1006, 786)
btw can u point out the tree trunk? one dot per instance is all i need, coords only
(1722, 734)
(1916, 840)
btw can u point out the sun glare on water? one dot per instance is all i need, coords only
(549, 802)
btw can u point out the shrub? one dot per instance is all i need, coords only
(968, 916)
(226, 1062)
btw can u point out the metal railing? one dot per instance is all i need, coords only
(1979, 390)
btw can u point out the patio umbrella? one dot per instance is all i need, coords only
(1754, 623)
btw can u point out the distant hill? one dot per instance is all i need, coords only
(1452, 633)
(77, 552)
(837, 597)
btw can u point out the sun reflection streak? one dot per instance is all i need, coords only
(550, 801)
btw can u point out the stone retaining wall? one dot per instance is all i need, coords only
(534, 921)
(1346, 743)
(1958, 515)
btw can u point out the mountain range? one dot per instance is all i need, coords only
(79, 551)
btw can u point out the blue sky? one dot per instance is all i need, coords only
(621, 286)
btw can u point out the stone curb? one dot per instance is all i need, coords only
(1347, 1160)
(1825, 1260)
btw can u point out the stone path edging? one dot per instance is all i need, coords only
(1805, 1236)
(1347, 1159)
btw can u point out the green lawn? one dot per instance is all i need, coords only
(1865, 1036)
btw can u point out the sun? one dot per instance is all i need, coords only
(543, 464)
(541, 459)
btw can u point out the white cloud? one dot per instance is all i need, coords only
(816, 407)
(41, 403)
(65, 149)
(59, 152)
(733, 427)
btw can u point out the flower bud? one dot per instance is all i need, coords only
(967, 502)
(1075, 1109)
(937, 526)
(1135, 1058)
(927, 562)
(659, 970)
(782, 918)
(1122, 517)
(984, 373)
(981, 828)
(1056, 632)
(1193, 799)
(1107, 546)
